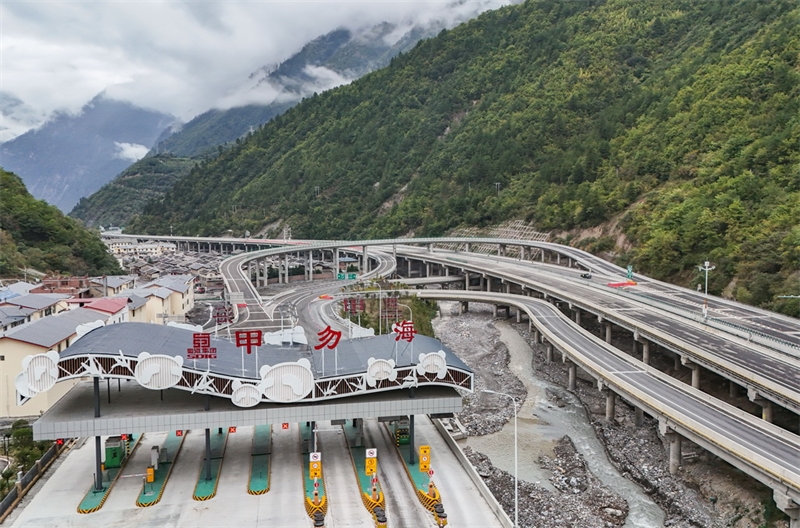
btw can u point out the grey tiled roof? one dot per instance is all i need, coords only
(11, 314)
(113, 281)
(38, 301)
(135, 301)
(49, 331)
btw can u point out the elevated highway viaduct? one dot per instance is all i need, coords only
(768, 368)
(759, 352)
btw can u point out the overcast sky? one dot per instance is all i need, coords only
(180, 57)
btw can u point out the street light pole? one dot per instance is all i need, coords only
(706, 267)
(516, 473)
(380, 308)
(410, 312)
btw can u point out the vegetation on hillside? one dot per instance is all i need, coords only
(21, 451)
(34, 234)
(125, 196)
(679, 117)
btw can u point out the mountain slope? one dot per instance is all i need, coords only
(126, 195)
(680, 117)
(36, 235)
(327, 61)
(72, 156)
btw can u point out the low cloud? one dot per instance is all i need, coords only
(130, 151)
(178, 57)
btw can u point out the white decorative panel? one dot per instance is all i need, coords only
(287, 382)
(245, 395)
(158, 371)
(378, 370)
(41, 371)
(433, 363)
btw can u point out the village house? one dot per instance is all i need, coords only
(72, 286)
(111, 285)
(37, 337)
(39, 305)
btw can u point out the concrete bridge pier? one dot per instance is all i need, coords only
(611, 401)
(789, 507)
(335, 261)
(674, 440)
(494, 310)
(695, 368)
(519, 315)
(572, 376)
(674, 452)
(265, 268)
(577, 315)
(464, 307)
(638, 416)
(646, 352)
(766, 405)
(695, 371)
(608, 332)
(549, 353)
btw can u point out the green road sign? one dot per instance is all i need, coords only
(340, 276)
(351, 276)
(630, 271)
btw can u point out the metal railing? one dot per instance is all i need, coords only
(23, 485)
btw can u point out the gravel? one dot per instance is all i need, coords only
(638, 452)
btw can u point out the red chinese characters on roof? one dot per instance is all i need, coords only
(328, 337)
(249, 339)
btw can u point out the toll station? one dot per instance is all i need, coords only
(132, 379)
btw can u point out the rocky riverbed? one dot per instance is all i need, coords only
(705, 493)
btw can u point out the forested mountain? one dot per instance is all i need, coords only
(325, 62)
(36, 235)
(126, 195)
(674, 125)
(72, 156)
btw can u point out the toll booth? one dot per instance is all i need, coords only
(115, 452)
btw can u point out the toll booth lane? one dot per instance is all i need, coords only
(365, 466)
(210, 469)
(258, 483)
(316, 501)
(421, 473)
(118, 451)
(162, 460)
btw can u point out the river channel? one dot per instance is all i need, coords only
(539, 426)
